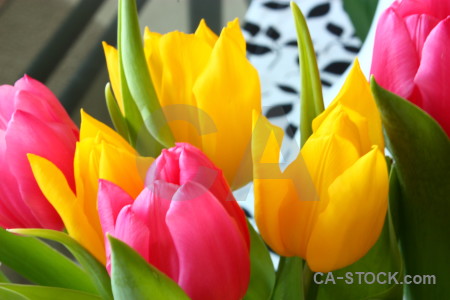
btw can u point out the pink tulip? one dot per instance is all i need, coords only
(412, 55)
(185, 222)
(32, 120)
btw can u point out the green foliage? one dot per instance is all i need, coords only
(34, 292)
(311, 99)
(361, 13)
(96, 271)
(41, 264)
(262, 279)
(420, 149)
(134, 278)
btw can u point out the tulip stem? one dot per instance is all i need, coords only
(289, 279)
(309, 287)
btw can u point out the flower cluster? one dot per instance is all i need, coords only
(148, 210)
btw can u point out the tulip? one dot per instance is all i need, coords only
(101, 153)
(185, 222)
(32, 120)
(411, 55)
(329, 205)
(207, 89)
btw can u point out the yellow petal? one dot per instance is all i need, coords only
(234, 34)
(228, 91)
(123, 168)
(327, 157)
(351, 223)
(355, 95)
(205, 33)
(347, 124)
(56, 189)
(91, 128)
(112, 63)
(270, 188)
(184, 57)
(86, 170)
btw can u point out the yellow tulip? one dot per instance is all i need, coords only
(207, 89)
(101, 153)
(329, 205)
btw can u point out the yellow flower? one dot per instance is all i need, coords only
(207, 89)
(329, 205)
(101, 153)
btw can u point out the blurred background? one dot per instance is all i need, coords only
(59, 41)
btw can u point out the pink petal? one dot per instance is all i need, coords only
(28, 134)
(44, 101)
(7, 95)
(184, 163)
(437, 8)
(14, 210)
(395, 59)
(151, 207)
(419, 27)
(214, 258)
(132, 231)
(111, 199)
(433, 76)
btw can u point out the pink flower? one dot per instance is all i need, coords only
(31, 121)
(185, 222)
(412, 55)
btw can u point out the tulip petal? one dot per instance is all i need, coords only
(56, 189)
(419, 27)
(151, 207)
(433, 76)
(111, 199)
(184, 58)
(122, 167)
(92, 128)
(399, 54)
(48, 106)
(186, 163)
(352, 221)
(269, 186)
(228, 144)
(356, 96)
(13, 209)
(438, 9)
(133, 231)
(7, 105)
(50, 143)
(112, 63)
(203, 250)
(205, 33)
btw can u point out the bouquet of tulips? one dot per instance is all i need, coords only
(147, 209)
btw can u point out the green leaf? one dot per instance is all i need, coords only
(134, 278)
(311, 88)
(289, 280)
(361, 14)
(11, 295)
(420, 149)
(383, 258)
(91, 265)
(262, 279)
(115, 113)
(33, 292)
(40, 263)
(3, 277)
(137, 76)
